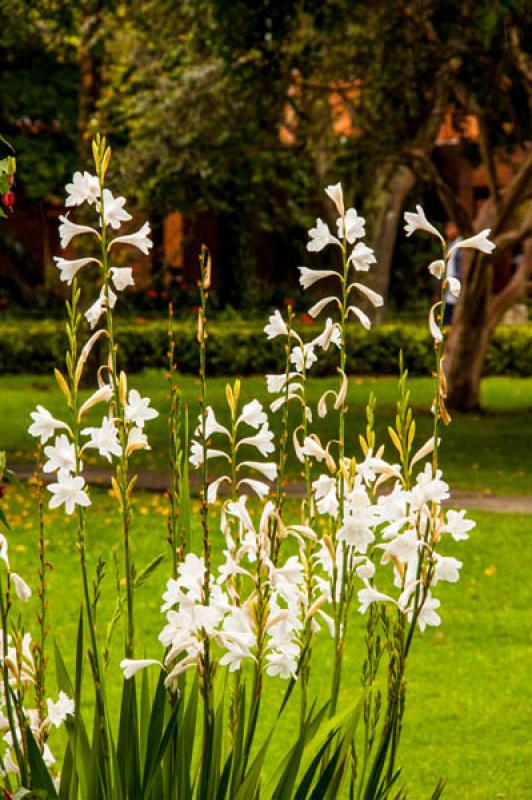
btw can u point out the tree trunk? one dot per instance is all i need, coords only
(384, 211)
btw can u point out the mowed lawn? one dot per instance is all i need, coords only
(469, 690)
(486, 451)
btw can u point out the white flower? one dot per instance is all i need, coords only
(107, 298)
(308, 277)
(366, 570)
(253, 415)
(457, 526)
(263, 441)
(419, 222)
(59, 711)
(447, 569)
(326, 495)
(68, 490)
(211, 424)
(70, 268)
(435, 330)
(266, 468)
(370, 595)
(140, 239)
(276, 326)
(429, 488)
(113, 209)
(122, 277)
(356, 531)
(303, 357)
(44, 425)
(61, 455)
(437, 268)
(374, 297)
(131, 666)
(283, 663)
(196, 456)
(136, 440)
(137, 409)
(362, 257)
(479, 241)
(320, 237)
(68, 230)
(313, 449)
(455, 286)
(330, 335)
(84, 188)
(362, 318)
(427, 615)
(104, 439)
(354, 226)
(336, 193)
(22, 589)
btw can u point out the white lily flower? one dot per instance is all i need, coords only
(370, 595)
(276, 326)
(318, 307)
(214, 487)
(122, 277)
(197, 455)
(308, 277)
(457, 526)
(104, 439)
(427, 615)
(101, 395)
(253, 415)
(362, 318)
(447, 569)
(22, 589)
(435, 331)
(68, 230)
(419, 222)
(366, 570)
(266, 468)
(94, 312)
(114, 212)
(60, 710)
(455, 286)
(320, 237)
(374, 297)
(480, 241)
(68, 490)
(136, 440)
(263, 441)
(336, 194)
(354, 226)
(61, 455)
(69, 268)
(330, 335)
(437, 268)
(362, 257)
(356, 531)
(140, 239)
(137, 409)
(44, 425)
(313, 448)
(260, 488)
(303, 357)
(131, 666)
(84, 188)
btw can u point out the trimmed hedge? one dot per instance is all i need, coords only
(241, 348)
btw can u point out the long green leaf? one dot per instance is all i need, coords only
(40, 777)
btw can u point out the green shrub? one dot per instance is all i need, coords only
(240, 348)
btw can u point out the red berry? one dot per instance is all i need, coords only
(8, 199)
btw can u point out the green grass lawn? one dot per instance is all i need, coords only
(488, 451)
(469, 691)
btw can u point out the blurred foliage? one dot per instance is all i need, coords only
(199, 99)
(242, 349)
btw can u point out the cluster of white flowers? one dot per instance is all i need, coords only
(362, 515)
(252, 416)
(230, 616)
(62, 459)
(21, 675)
